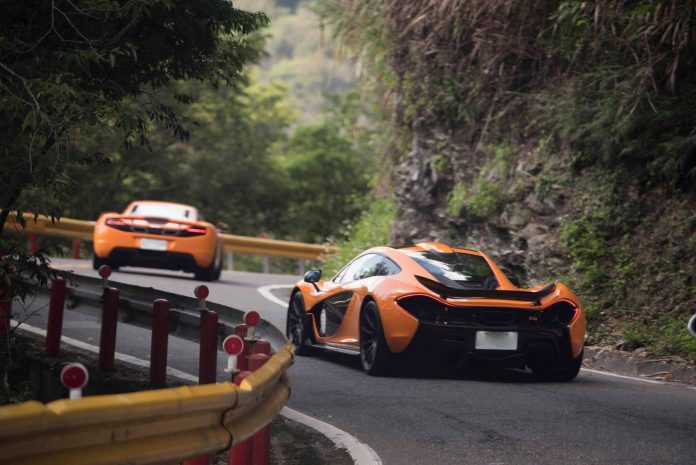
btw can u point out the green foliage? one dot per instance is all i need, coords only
(328, 181)
(70, 68)
(370, 230)
(587, 249)
(21, 271)
(666, 336)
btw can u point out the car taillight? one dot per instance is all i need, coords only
(189, 232)
(422, 307)
(117, 223)
(561, 313)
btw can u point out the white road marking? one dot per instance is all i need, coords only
(361, 453)
(614, 375)
(266, 292)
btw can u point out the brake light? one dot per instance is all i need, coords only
(115, 222)
(196, 230)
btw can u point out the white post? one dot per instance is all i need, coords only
(230, 261)
(266, 264)
(303, 265)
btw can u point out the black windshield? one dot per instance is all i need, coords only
(460, 270)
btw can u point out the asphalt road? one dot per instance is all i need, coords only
(502, 417)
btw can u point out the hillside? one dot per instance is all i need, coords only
(556, 136)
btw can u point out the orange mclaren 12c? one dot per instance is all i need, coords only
(161, 235)
(433, 299)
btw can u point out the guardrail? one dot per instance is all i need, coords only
(69, 228)
(160, 426)
(164, 425)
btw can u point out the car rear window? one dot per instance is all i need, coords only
(456, 269)
(163, 210)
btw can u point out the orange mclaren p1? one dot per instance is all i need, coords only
(433, 299)
(162, 235)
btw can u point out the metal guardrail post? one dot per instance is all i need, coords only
(266, 264)
(33, 243)
(229, 256)
(302, 266)
(241, 453)
(54, 326)
(160, 339)
(107, 340)
(76, 248)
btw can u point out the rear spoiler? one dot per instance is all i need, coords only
(451, 292)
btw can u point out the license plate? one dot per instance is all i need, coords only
(153, 244)
(496, 340)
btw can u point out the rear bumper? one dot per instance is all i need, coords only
(455, 342)
(123, 256)
(125, 247)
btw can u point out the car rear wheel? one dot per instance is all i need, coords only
(375, 356)
(297, 325)
(566, 372)
(209, 273)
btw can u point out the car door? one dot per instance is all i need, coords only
(336, 316)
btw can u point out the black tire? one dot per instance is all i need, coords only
(297, 325)
(564, 373)
(205, 274)
(97, 262)
(375, 356)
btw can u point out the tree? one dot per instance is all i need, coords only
(329, 180)
(70, 67)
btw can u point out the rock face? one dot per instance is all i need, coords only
(519, 232)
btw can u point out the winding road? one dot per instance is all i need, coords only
(504, 417)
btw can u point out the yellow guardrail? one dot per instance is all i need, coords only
(151, 427)
(79, 229)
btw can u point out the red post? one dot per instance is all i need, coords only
(54, 326)
(207, 361)
(160, 338)
(107, 341)
(242, 362)
(5, 311)
(241, 453)
(261, 447)
(261, 346)
(76, 248)
(33, 243)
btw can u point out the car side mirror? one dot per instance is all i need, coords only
(692, 326)
(312, 276)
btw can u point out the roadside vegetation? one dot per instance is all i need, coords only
(557, 136)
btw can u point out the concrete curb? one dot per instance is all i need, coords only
(637, 364)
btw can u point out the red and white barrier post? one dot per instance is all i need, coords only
(160, 341)
(105, 272)
(76, 248)
(5, 311)
(207, 361)
(233, 346)
(74, 377)
(241, 453)
(54, 326)
(252, 320)
(107, 339)
(242, 360)
(260, 353)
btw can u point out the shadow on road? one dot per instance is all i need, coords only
(435, 369)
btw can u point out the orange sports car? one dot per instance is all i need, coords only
(434, 299)
(162, 235)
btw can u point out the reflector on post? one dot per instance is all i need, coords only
(74, 376)
(252, 319)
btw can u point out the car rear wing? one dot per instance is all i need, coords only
(454, 293)
(155, 219)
